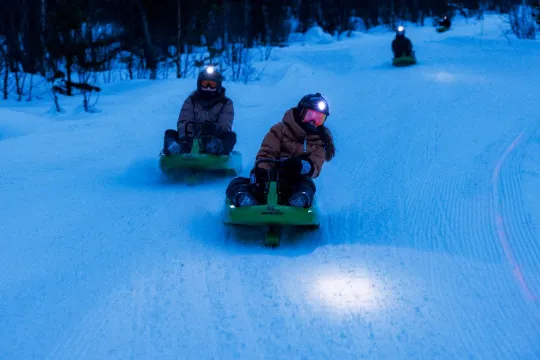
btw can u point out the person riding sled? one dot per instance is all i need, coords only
(303, 144)
(209, 107)
(445, 23)
(401, 45)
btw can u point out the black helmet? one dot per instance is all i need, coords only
(400, 31)
(314, 102)
(210, 74)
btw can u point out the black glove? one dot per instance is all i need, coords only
(258, 175)
(298, 165)
(292, 166)
(211, 128)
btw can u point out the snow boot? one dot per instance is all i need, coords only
(299, 199)
(173, 148)
(245, 199)
(214, 147)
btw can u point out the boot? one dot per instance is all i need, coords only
(173, 148)
(300, 199)
(245, 199)
(214, 146)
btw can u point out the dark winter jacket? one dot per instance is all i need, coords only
(402, 46)
(218, 109)
(287, 139)
(445, 23)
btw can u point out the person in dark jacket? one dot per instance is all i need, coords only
(401, 45)
(209, 106)
(445, 22)
(303, 143)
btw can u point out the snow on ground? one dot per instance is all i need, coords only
(429, 245)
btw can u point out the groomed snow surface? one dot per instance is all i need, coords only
(429, 246)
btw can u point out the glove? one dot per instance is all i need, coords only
(211, 128)
(297, 166)
(257, 175)
(307, 167)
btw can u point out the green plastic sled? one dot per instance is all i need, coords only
(404, 61)
(273, 215)
(195, 161)
(441, 29)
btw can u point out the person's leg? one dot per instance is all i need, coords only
(240, 192)
(222, 144)
(228, 140)
(170, 142)
(302, 192)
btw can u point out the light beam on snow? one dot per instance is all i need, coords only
(345, 292)
(444, 77)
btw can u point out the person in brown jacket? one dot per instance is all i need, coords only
(303, 144)
(208, 106)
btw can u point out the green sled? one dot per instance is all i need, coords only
(195, 161)
(272, 215)
(404, 61)
(442, 29)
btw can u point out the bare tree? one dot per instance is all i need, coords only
(522, 22)
(179, 39)
(149, 51)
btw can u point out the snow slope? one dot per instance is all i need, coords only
(429, 247)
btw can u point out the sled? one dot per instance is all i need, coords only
(273, 215)
(441, 29)
(196, 161)
(404, 61)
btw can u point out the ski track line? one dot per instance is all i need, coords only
(467, 337)
(500, 220)
(517, 227)
(447, 212)
(234, 323)
(431, 221)
(85, 330)
(469, 219)
(77, 341)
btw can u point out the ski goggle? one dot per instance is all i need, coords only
(209, 84)
(315, 117)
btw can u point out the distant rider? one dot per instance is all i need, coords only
(209, 106)
(401, 45)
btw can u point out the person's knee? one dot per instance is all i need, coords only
(307, 184)
(237, 184)
(171, 134)
(228, 139)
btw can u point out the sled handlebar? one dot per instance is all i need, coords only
(197, 128)
(272, 173)
(268, 160)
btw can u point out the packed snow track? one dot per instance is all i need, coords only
(429, 246)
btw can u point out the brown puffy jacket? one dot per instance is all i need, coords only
(287, 138)
(219, 110)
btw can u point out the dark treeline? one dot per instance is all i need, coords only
(84, 36)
